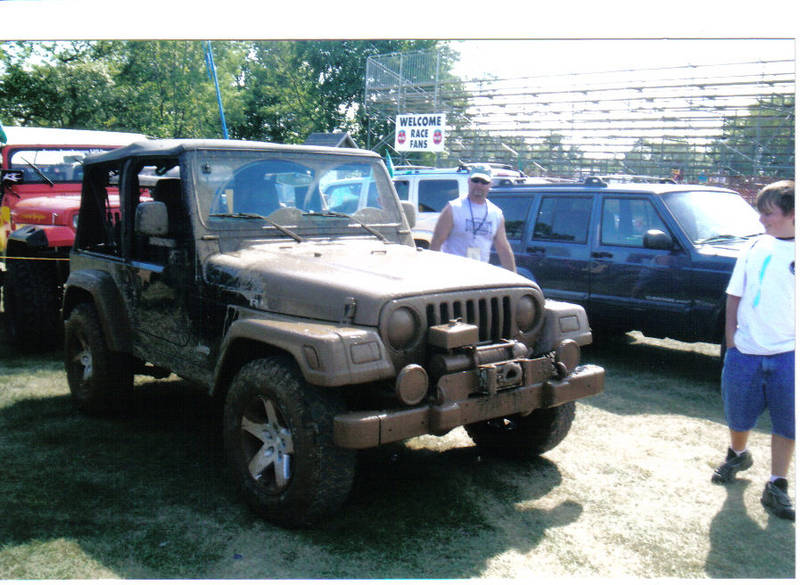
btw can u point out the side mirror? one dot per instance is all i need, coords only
(411, 213)
(151, 218)
(658, 240)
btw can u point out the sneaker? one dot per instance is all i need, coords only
(733, 464)
(776, 499)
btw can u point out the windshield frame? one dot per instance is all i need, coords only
(213, 174)
(13, 160)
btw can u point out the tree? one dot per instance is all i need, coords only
(271, 90)
(275, 93)
(559, 158)
(163, 87)
(663, 156)
(54, 84)
(290, 89)
(760, 143)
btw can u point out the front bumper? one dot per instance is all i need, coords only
(455, 406)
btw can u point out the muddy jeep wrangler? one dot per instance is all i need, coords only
(321, 332)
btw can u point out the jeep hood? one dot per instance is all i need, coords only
(53, 202)
(57, 202)
(317, 279)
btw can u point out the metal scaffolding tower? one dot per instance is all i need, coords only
(709, 122)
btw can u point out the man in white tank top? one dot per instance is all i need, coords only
(470, 225)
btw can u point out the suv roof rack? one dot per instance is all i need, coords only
(636, 179)
(492, 165)
(595, 182)
(411, 167)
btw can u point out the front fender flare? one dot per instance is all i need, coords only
(327, 354)
(43, 236)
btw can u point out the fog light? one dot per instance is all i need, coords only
(411, 385)
(568, 353)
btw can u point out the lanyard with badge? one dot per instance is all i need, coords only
(473, 251)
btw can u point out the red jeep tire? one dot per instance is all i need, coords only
(32, 304)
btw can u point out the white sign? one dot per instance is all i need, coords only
(419, 132)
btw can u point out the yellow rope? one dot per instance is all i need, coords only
(35, 258)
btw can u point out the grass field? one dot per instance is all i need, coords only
(627, 494)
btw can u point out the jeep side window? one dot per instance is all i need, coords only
(158, 181)
(625, 221)
(515, 212)
(563, 218)
(99, 226)
(434, 194)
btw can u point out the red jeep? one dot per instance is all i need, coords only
(40, 188)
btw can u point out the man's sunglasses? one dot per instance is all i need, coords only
(480, 181)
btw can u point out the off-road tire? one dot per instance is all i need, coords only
(32, 303)
(301, 476)
(100, 380)
(524, 437)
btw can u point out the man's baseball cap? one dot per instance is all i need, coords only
(481, 172)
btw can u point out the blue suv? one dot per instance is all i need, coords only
(638, 256)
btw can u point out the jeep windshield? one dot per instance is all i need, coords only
(51, 165)
(710, 216)
(295, 194)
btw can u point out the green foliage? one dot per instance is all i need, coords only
(271, 90)
(290, 89)
(758, 142)
(164, 86)
(49, 85)
(276, 95)
(660, 157)
(762, 142)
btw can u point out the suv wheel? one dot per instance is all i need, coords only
(98, 378)
(524, 437)
(278, 433)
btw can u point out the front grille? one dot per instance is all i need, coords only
(492, 314)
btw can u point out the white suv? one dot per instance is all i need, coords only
(429, 189)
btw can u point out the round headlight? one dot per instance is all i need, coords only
(526, 313)
(401, 328)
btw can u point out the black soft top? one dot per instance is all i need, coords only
(174, 148)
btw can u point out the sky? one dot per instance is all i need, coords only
(440, 19)
(519, 58)
(683, 28)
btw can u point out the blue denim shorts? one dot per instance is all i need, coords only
(753, 383)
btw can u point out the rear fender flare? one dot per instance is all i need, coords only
(98, 287)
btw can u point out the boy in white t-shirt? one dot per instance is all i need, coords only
(758, 373)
